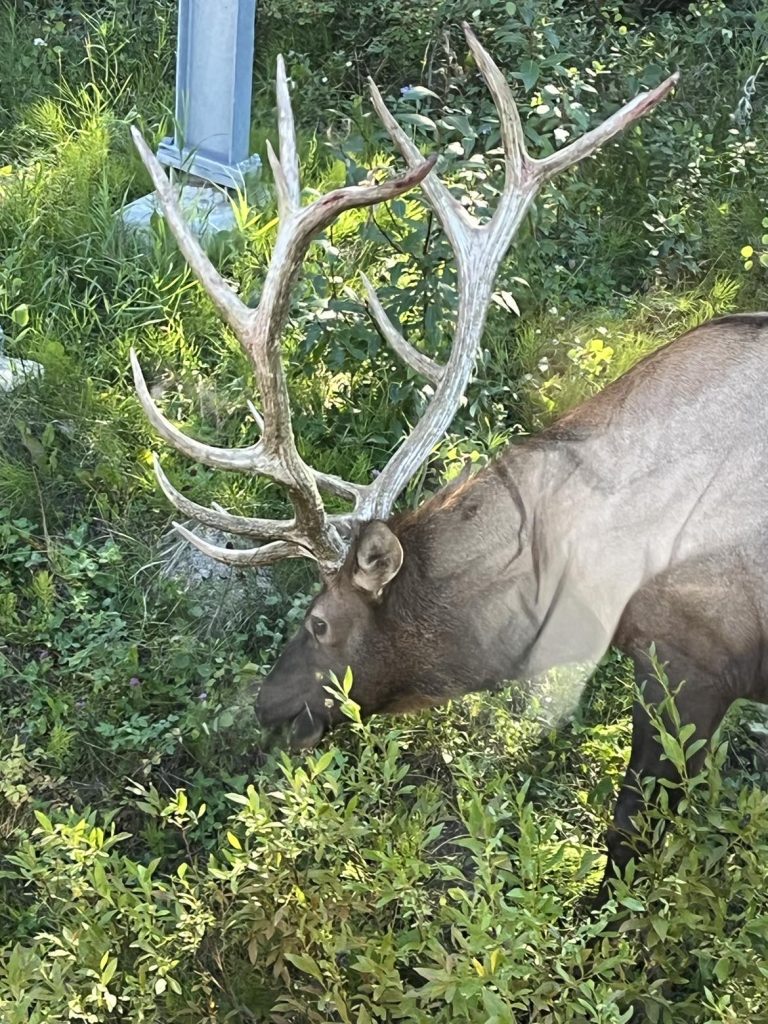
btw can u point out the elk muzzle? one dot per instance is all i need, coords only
(292, 696)
(306, 722)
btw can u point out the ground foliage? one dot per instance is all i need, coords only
(159, 861)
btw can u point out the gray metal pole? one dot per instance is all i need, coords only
(214, 65)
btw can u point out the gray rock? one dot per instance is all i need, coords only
(14, 372)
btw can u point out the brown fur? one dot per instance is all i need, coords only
(640, 517)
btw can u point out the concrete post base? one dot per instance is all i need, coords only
(207, 210)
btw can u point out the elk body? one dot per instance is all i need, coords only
(639, 519)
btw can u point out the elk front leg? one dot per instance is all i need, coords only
(699, 701)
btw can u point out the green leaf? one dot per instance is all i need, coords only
(237, 798)
(632, 904)
(529, 73)
(305, 964)
(20, 315)
(661, 926)
(723, 969)
(323, 762)
(100, 883)
(109, 971)
(234, 841)
(44, 821)
(17, 969)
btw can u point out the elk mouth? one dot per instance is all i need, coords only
(301, 725)
(307, 729)
(301, 731)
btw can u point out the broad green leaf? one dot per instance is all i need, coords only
(529, 73)
(305, 964)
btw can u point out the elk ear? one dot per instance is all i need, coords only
(378, 557)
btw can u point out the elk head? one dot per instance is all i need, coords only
(358, 620)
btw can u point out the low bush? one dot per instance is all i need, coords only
(427, 871)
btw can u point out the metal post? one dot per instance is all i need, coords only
(214, 65)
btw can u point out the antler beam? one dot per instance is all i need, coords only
(479, 250)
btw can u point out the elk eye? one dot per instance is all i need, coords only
(319, 627)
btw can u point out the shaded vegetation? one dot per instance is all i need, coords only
(159, 863)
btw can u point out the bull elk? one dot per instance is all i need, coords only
(639, 518)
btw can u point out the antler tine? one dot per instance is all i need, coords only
(285, 204)
(289, 156)
(218, 519)
(242, 460)
(419, 362)
(245, 558)
(456, 221)
(232, 308)
(258, 419)
(246, 460)
(260, 529)
(586, 145)
(341, 488)
(516, 159)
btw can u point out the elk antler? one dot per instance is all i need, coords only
(310, 533)
(479, 250)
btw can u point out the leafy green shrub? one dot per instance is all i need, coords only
(687, 175)
(105, 681)
(124, 45)
(405, 874)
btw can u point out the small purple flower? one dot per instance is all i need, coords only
(43, 655)
(405, 90)
(79, 704)
(202, 696)
(133, 682)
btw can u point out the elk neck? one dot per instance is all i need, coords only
(491, 586)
